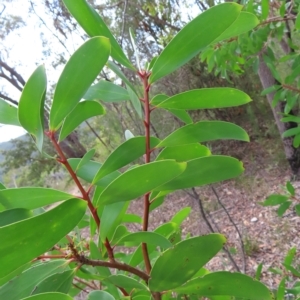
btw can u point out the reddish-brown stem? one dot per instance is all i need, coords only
(78, 287)
(291, 88)
(51, 256)
(144, 76)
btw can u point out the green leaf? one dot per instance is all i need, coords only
(226, 284)
(297, 209)
(181, 115)
(274, 199)
(59, 282)
(136, 103)
(290, 256)
(297, 22)
(106, 91)
(258, 271)
(152, 238)
(204, 131)
(291, 132)
(265, 7)
(183, 261)
(53, 224)
(31, 105)
(140, 180)
(291, 119)
(14, 215)
(86, 158)
(270, 89)
(118, 234)
(82, 111)
(184, 152)
(89, 60)
(188, 42)
(2, 187)
(22, 285)
(205, 170)
(93, 25)
(126, 153)
(280, 295)
(181, 215)
(96, 295)
(8, 113)
(132, 218)
(290, 188)
(296, 141)
(126, 282)
(31, 198)
(283, 208)
(206, 99)
(244, 23)
(49, 296)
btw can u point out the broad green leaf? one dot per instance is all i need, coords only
(265, 7)
(296, 141)
(14, 215)
(283, 208)
(111, 217)
(140, 180)
(226, 284)
(49, 296)
(93, 25)
(206, 99)
(297, 209)
(136, 103)
(297, 22)
(86, 158)
(132, 218)
(8, 113)
(31, 105)
(136, 238)
(106, 91)
(53, 224)
(96, 295)
(22, 285)
(291, 119)
(126, 153)
(31, 197)
(204, 131)
(181, 215)
(59, 282)
(82, 111)
(291, 132)
(2, 187)
(184, 152)
(13, 274)
(274, 199)
(89, 60)
(181, 115)
(188, 42)
(290, 188)
(205, 170)
(118, 234)
(183, 261)
(244, 23)
(126, 282)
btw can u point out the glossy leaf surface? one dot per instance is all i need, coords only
(93, 25)
(31, 197)
(205, 170)
(86, 158)
(96, 295)
(188, 42)
(206, 99)
(181, 115)
(184, 152)
(53, 224)
(14, 215)
(140, 180)
(8, 113)
(49, 296)
(126, 153)
(183, 261)
(89, 60)
(226, 284)
(23, 285)
(106, 91)
(205, 131)
(82, 111)
(31, 105)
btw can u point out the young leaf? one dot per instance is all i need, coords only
(183, 261)
(265, 7)
(280, 295)
(89, 60)
(49, 296)
(31, 197)
(206, 99)
(82, 111)
(196, 35)
(8, 113)
(55, 224)
(291, 132)
(126, 153)
(204, 131)
(140, 180)
(204, 170)
(297, 209)
(22, 285)
(181, 215)
(31, 105)
(258, 271)
(86, 158)
(274, 199)
(290, 188)
(14, 215)
(93, 25)
(283, 208)
(290, 256)
(106, 91)
(226, 284)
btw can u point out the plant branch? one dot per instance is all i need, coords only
(291, 88)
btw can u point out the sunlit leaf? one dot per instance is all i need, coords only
(49, 296)
(183, 260)
(265, 7)
(93, 25)
(274, 199)
(82, 111)
(53, 224)
(31, 105)
(86, 158)
(181, 215)
(14, 215)
(188, 42)
(79, 73)
(8, 113)
(283, 208)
